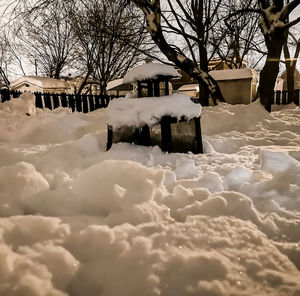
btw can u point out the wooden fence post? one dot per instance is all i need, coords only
(296, 97)
(284, 97)
(78, 103)
(278, 95)
(56, 102)
(63, 98)
(47, 101)
(91, 103)
(72, 102)
(38, 100)
(85, 106)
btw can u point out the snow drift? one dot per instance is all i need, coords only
(77, 220)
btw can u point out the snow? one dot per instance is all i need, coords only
(25, 104)
(149, 110)
(78, 220)
(148, 71)
(234, 74)
(114, 83)
(42, 82)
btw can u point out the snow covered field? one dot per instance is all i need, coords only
(76, 220)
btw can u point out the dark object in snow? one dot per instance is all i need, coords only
(171, 134)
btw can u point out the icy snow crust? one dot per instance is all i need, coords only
(76, 220)
(147, 71)
(141, 111)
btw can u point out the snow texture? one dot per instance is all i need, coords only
(78, 220)
(149, 110)
(147, 71)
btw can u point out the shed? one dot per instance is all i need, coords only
(238, 86)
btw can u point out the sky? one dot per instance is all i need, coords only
(29, 69)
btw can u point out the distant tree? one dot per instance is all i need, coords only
(191, 22)
(274, 24)
(290, 63)
(236, 36)
(47, 38)
(5, 60)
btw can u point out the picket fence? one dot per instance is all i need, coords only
(283, 97)
(87, 103)
(80, 103)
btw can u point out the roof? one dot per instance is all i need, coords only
(233, 74)
(42, 82)
(187, 87)
(148, 71)
(114, 83)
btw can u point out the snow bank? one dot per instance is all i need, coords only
(141, 111)
(25, 104)
(77, 220)
(147, 71)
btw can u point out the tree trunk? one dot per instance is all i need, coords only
(203, 88)
(290, 79)
(270, 70)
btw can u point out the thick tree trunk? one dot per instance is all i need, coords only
(270, 70)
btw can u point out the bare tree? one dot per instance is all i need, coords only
(236, 36)
(290, 64)
(191, 22)
(47, 37)
(274, 24)
(5, 60)
(110, 37)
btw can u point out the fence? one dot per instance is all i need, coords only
(284, 97)
(80, 103)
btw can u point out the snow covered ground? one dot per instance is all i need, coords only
(77, 220)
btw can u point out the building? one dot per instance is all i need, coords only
(118, 87)
(238, 86)
(213, 65)
(41, 84)
(67, 85)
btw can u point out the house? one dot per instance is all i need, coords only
(69, 85)
(41, 84)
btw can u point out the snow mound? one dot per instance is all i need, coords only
(25, 104)
(78, 220)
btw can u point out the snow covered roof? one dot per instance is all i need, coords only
(148, 71)
(233, 74)
(187, 87)
(140, 111)
(114, 83)
(42, 82)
